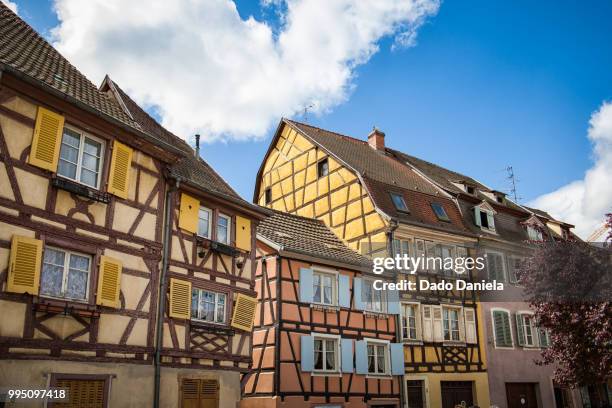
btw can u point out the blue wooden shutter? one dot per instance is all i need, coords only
(393, 304)
(397, 358)
(491, 220)
(361, 357)
(307, 348)
(306, 285)
(346, 348)
(344, 291)
(357, 294)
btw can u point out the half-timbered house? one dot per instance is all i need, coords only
(380, 206)
(314, 342)
(91, 188)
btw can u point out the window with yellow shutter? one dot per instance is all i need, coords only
(119, 176)
(81, 157)
(24, 265)
(65, 274)
(109, 282)
(46, 139)
(243, 233)
(189, 213)
(180, 299)
(244, 312)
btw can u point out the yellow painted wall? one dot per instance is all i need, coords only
(338, 199)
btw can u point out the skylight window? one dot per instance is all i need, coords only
(398, 202)
(440, 211)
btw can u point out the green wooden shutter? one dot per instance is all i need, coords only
(477, 216)
(501, 325)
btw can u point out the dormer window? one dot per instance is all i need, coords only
(470, 189)
(398, 202)
(440, 212)
(534, 233)
(484, 217)
(499, 199)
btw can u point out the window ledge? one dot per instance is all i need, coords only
(80, 189)
(386, 375)
(211, 327)
(325, 308)
(454, 343)
(66, 307)
(413, 342)
(376, 315)
(326, 374)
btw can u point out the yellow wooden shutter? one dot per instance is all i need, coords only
(82, 393)
(109, 282)
(188, 213)
(209, 393)
(121, 163)
(244, 312)
(243, 233)
(24, 265)
(180, 299)
(47, 139)
(190, 393)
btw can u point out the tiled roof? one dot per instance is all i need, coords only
(309, 237)
(190, 168)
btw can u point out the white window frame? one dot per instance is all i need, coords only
(229, 228)
(383, 298)
(499, 309)
(337, 353)
(547, 332)
(65, 271)
(216, 311)
(84, 135)
(417, 321)
(399, 241)
(210, 217)
(401, 197)
(444, 217)
(460, 321)
(535, 341)
(512, 259)
(330, 272)
(503, 263)
(378, 342)
(531, 230)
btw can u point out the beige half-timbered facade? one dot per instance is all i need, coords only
(91, 187)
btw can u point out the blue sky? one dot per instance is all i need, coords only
(489, 84)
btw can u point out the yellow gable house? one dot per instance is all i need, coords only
(380, 205)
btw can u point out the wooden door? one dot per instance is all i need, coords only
(199, 393)
(457, 393)
(415, 394)
(521, 395)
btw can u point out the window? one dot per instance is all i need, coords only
(495, 266)
(484, 218)
(268, 195)
(527, 329)
(324, 288)
(402, 246)
(326, 354)
(375, 300)
(447, 252)
(84, 390)
(450, 320)
(484, 221)
(80, 157)
(470, 189)
(378, 358)
(65, 274)
(208, 306)
(499, 198)
(204, 217)
(514, 265)
(544, 337)
(440, 212)
(322, 168)
(398, 202)
(502, 332)
(534, 233)
(409, 322)
(224, 229)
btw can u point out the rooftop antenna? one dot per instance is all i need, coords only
(306, 108)
(513, 180)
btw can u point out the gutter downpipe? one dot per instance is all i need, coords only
(169, 208)
(398, 318)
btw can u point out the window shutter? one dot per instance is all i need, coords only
(119, 176)
(427, 323)
(438, 334)
(358, 291)
(244, 312)
(344, 291)
(209, 393)
(190, 392)
(393, 303)
(361, 357)
(243, 233)
(47, 139)
(24, 265)
(82, 393)
(307, 353)
(477, 216)
(109, 282)
(491, 220)
(306, 289)
(180, 299)
(461, 325)
(346, 348)
(397, 358)
(520, 330)
(501, 325)
(470, 325)
(188, 213)
(543, 337)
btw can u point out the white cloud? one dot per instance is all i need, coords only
(11, 5)
(584, 202)
(206, 69)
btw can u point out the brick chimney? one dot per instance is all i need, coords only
(376, 139)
